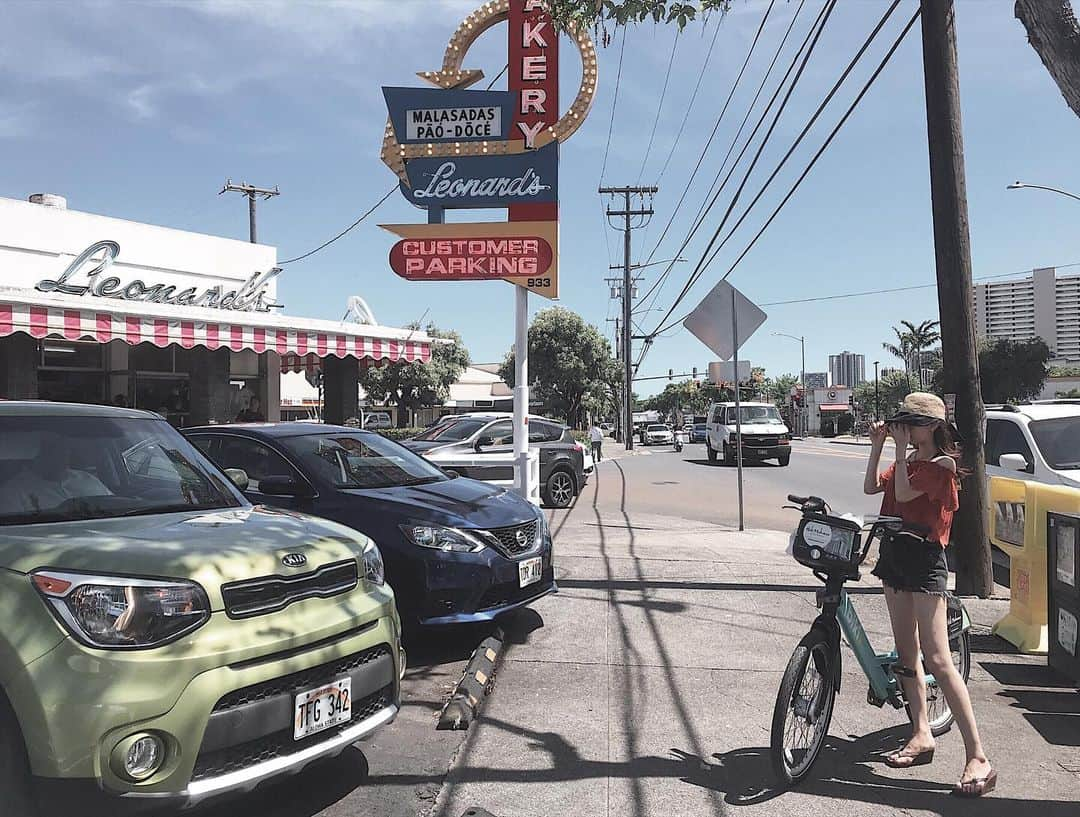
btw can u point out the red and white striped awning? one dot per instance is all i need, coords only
(299, 342)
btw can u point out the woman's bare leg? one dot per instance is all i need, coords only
(932, 616)
(906, 636)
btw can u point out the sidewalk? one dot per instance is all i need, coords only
(646, 687)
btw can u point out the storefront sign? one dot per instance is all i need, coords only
(453, 123)
(470, 259)
(454, 148)
(433, 116)
(481, 181)
(86, 276)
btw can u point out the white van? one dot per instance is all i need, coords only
(765, 437)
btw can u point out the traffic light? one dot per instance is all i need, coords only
(694, 373)
(670, 374)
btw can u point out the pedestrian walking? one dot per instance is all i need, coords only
(921, 487)
(596, 437)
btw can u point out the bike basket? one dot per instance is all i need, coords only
(828, 543)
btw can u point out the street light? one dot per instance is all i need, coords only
(1022, 185)
(877, 409)
(802, 374)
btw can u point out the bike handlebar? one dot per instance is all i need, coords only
(808, 504)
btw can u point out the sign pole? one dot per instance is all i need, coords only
(738, 403)
(521, 391)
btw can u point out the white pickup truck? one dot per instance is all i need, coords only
(764, 435)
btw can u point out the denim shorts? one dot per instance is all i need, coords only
(913, 565)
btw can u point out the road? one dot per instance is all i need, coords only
(688, 486)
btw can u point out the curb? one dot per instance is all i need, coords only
(477, 682)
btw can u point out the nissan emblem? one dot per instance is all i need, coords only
(522, 538)
(294, 560)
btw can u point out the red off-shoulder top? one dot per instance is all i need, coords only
(934, 507)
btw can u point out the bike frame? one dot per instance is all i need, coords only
(876, 666)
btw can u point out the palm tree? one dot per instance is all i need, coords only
(921, 337)
(901, 349)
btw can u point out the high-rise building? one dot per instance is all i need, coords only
(847, 369)
(817, 380)
(1041, 305)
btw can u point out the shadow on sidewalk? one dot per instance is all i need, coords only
(846, 771)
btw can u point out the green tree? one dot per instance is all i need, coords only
(590, 13)
(779, 388)
(892, 389)
(1013, 370)
(411, 386)
(921, 338)
(569, 361)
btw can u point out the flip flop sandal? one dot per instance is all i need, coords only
(898, 760)
(977, 786)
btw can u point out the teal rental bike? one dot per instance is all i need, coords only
(834, 547)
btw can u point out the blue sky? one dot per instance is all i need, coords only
(141, 110)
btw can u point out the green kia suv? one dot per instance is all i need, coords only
(161, 639)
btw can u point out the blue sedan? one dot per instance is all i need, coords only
(456, 550)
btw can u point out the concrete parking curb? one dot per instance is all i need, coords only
(477, 682)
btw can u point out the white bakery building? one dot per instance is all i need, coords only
(96, 309)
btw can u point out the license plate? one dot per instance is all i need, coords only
(530, 571)
(321, 708)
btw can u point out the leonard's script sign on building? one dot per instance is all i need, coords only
(454, 148)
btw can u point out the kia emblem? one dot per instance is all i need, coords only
(522, 538)
(294, 560)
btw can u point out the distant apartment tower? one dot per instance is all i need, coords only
(1041, 305)
(847, 369)
(817, 380)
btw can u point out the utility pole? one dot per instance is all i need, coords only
(628, 213)
(877, 402)
(952, 251)
(252, 193)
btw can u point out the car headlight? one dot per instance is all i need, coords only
(118, 613)
(437, 537)
(541, 529)
(374, 570)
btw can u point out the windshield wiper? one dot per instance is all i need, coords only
(177, 508)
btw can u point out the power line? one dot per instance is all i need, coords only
(658, 286)
(820, 152)
(690, 105)
(659, 106)
(813, 120)
(614, 105)
(699, 269)
(348, 229)
(716, 126)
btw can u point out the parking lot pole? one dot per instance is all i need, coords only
(738, 401)
(521, 391)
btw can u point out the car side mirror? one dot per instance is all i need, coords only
(450, 472)
(238, 477)
(1013, 462)
(484, 440)
(283, 486)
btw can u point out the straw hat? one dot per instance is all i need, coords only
(920, 408)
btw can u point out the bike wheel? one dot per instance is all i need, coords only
(939, 713)
(804, 708)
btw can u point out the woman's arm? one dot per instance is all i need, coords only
(902, 483)
(872, 480)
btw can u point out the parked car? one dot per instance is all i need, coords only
(658, 434)
(480, 446)
(698, 433)
(764, 434)
(456, 550)
(1035, 441)
(377, 420)
(608, 429)
(162, 639)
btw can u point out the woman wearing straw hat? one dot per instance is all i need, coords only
(921, 488)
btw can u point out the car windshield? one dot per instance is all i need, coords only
(65, 468)
(362, 461)
(760, 414)
(1059, 441)
(453, 432)
(658, 428)
(699, 426)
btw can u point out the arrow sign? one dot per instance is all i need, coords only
(724, 320)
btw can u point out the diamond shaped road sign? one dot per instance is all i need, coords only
(724, 320)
